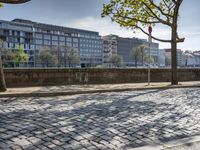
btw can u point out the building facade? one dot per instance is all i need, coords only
(34, 36)
(186, 58)
(15, 34)
(109, 48)
(113, 44)
(181, 58)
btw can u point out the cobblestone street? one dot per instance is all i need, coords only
(99, 121)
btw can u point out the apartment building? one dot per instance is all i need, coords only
(109, 48)
(34, 36)
(113, 44)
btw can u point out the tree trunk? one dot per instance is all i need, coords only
(174, 80)
(2, 79)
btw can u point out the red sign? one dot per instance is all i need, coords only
(150, 29)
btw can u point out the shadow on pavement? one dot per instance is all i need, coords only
(106, 120)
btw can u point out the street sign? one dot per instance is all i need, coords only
(150, 29)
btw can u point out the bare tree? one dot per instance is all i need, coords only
(91, 60)
(71, 57)
(48, 58)
(7, 56)
(138, 54)
(149, 60)
(143, 50)
(116, 60)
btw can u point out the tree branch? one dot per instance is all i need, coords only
(154, 14)
(161, 11)
(161, 40)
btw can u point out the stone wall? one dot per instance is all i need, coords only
(43, 77)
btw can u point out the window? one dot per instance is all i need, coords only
(47, 42)
(75, 39)
(11, 45)
(22, 40)
(54, 37)
(69, 39)
(38, 47)
(62, 38)
(69, 44)
(22, 33)
(38, 36)
(47, 37)
(75, 44)
(62, 43)
(55, 43)
(37, 41)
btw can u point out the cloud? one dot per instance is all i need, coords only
(104, 26)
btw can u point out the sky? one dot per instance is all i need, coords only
(86, 14)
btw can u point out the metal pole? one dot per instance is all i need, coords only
(149, 68)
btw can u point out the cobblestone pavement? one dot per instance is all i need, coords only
(99, 121)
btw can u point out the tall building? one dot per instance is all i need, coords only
(33, 36)
(109, 48)
(113, 44)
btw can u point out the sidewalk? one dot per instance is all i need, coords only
(84, 89)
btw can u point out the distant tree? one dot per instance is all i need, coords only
(138, 54)
(71, 57)
(48, 58)
(91, 60)
(143, 50)
(167, 61)
(115, 60)
(149, 60)
(7, 57)
(20, 56)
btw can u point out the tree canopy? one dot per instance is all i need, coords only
(138, 14)
(48, 58)
(20, 56)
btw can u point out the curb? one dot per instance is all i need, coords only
(47, 94)
(172, 144)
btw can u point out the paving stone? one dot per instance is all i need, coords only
(100, 121)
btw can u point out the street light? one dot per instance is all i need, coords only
(14, 1)
(149, 41)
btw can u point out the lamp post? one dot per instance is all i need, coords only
(149, 42)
